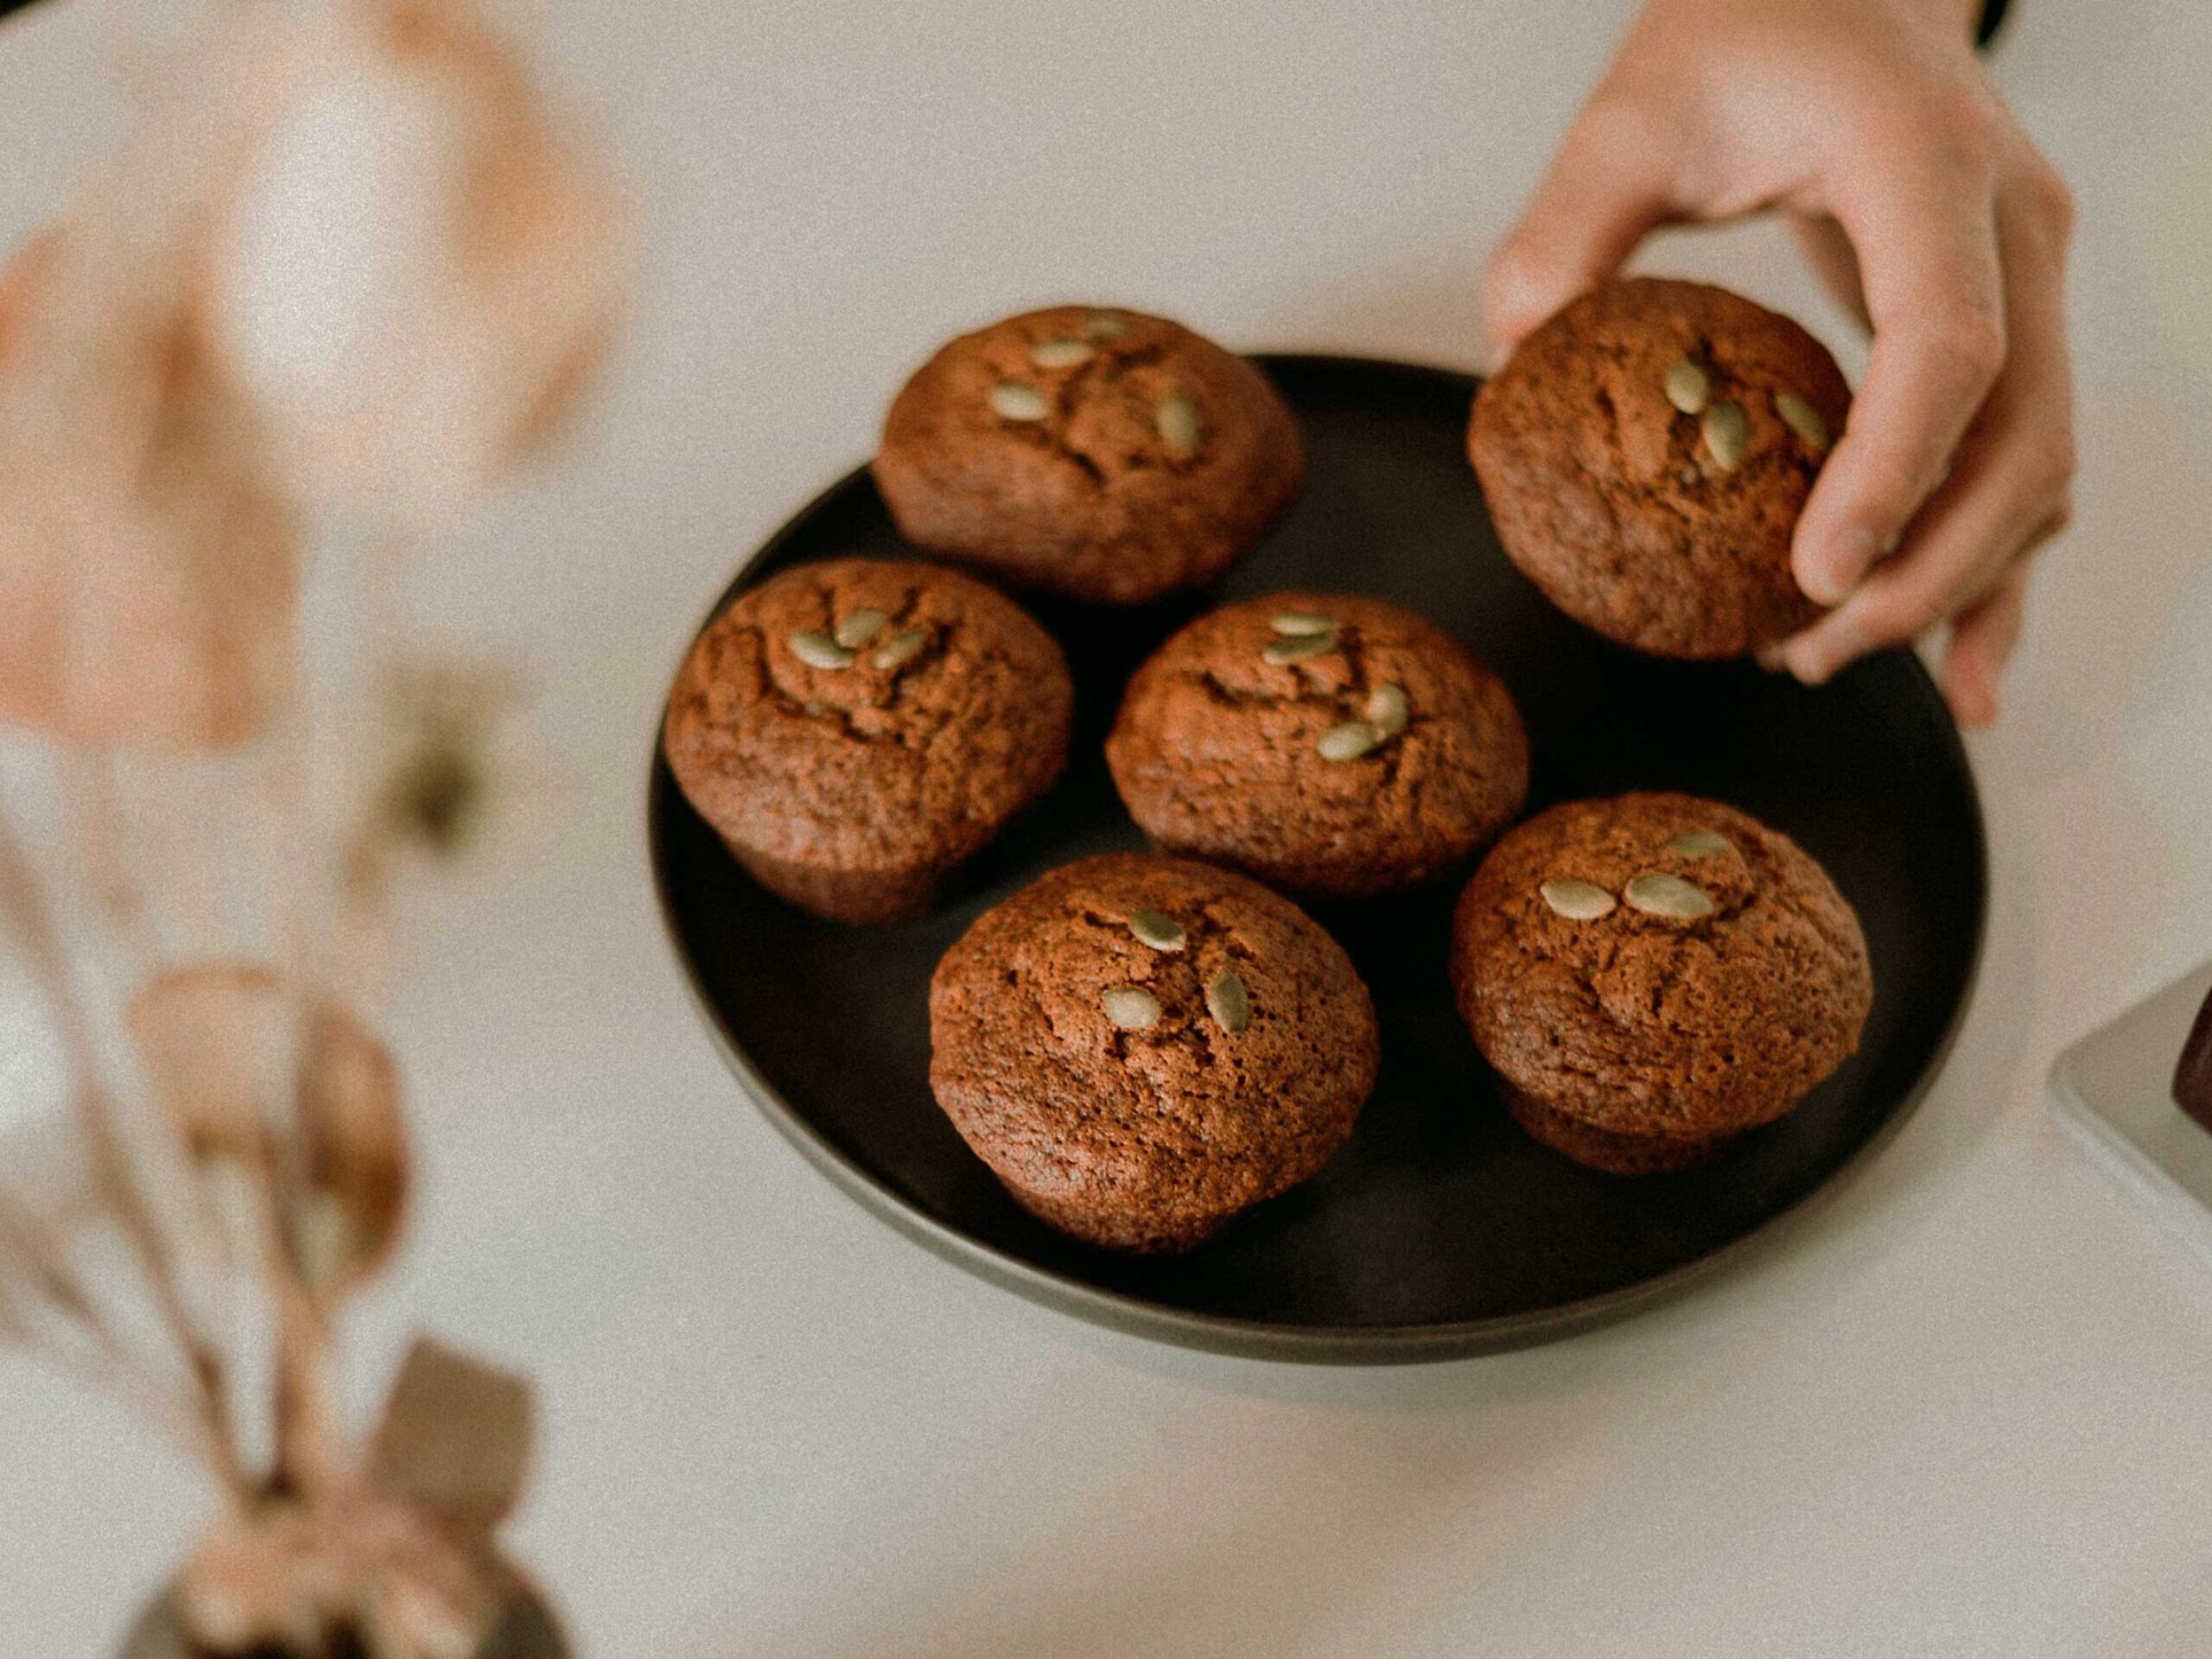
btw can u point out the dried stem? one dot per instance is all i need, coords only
(24, 912)
(29, 1257)
(306, 1426)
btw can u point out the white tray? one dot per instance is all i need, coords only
(2112, 1093)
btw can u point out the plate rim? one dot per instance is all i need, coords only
(1229, 1334)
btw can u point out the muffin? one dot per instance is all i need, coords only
(1330, 745)
(1645, 454)
(853, 729)
(1143, 1047)
(1653, 974)
(1104, 454)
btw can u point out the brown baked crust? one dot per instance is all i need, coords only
(853, 792)
(1215, 750)
(1644, 1025)
(1609, 1149)
(1605, 494)
(1090, 501)
(1149, 1139)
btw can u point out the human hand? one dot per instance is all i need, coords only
(1927, 209)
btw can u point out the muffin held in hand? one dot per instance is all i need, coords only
(853, 729)
(1653, 974)
(1330, 745)
(1645, 454)
(1100, 454)
(1142, 1047)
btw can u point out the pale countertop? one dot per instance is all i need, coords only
(1966, 1410)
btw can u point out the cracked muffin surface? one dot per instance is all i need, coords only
(1657, 967)
(1329, 744)
(1085, 1044)
(1622, 486)
(1092, 451)
(854, 729)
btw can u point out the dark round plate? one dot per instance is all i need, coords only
(1441, 1228)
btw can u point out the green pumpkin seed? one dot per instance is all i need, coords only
(1700, 843)
(857, 628)
(1158, 931)
(1348, 741)
(1061, 353)
(1803, 419)
(1300, 625)
(1130, 1009)
(900, 648)
(1387, 710)
(1017, 400)
(1578, 901)
(1668, 895)
(1688, 386)
(1104, 325)
(1228, 1001)
(1298, 648)
(818, 649)
(1727, 434)
(1176, 418)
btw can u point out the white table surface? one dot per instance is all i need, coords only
(1965, 1410)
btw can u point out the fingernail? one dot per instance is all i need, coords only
(1830, 574)
(1811, 665)
(1823, 587)
(1975, 705)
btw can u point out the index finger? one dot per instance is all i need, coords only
(1935, 295)
(1610, 185)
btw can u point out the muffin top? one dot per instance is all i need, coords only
(864, 714)
(1645, 454)
(1659, 964)
(1328, 743)
(1147, 1036)
(1101, 454)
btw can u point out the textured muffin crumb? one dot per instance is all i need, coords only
(1645, 454)
(1725, 977)
(851, 777)
(1370, 751)
(1111, 1083)
(1098, 453)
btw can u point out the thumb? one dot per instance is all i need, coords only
(1610, 185)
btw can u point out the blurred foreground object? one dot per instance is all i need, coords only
(343, 280)
(412, 275)
(147, 563)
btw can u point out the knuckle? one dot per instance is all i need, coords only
(1967, 128)
(2061, 519)
(2050, 199)
(1969, 339)
(2051, 455)
(1889, 616)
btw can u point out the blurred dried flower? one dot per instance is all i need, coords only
(414, 276)
(347, 277)
(217, 1044)
(360, 278)
(147, 571)
(439, 777)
